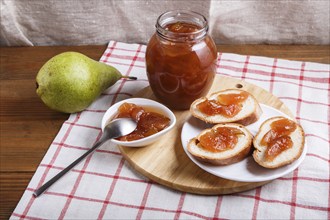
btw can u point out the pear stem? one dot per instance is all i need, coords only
(129, 77)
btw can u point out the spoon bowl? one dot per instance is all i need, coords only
(117, 128)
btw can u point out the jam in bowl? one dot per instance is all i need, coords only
(153, 119)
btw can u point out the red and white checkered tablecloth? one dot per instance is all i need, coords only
(104, 186)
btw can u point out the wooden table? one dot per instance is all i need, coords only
(27, 126)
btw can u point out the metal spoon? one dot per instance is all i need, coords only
(116, 128)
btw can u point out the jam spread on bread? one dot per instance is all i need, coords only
(148, 122)
(278, 139)
(220, 139)
(227, 105)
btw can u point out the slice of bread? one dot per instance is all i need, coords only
(249, 113)
(226, 157)
(285, 157)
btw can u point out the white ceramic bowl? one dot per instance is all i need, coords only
(113, 110)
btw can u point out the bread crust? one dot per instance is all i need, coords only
(246, 119)
(222, 160)
(259, 149)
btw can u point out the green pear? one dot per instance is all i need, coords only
(69, 82)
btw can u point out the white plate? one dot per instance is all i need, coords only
(113, 110)
(246, 170)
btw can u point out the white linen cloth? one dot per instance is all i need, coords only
(76, 22)
(104, 186)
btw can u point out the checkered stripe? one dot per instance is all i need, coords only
(104, 186)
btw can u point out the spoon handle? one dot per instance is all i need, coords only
(50, 182)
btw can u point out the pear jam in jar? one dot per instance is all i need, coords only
(181, 59)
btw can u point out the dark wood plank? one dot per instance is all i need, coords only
(27, 126)
(12, 185)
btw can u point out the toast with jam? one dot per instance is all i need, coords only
(223, 144)
(279, 142)
(227, 106)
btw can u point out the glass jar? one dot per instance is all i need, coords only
(181, 59)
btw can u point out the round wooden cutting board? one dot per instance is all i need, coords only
(166, 162)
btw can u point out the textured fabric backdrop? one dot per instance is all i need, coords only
(81, 22)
